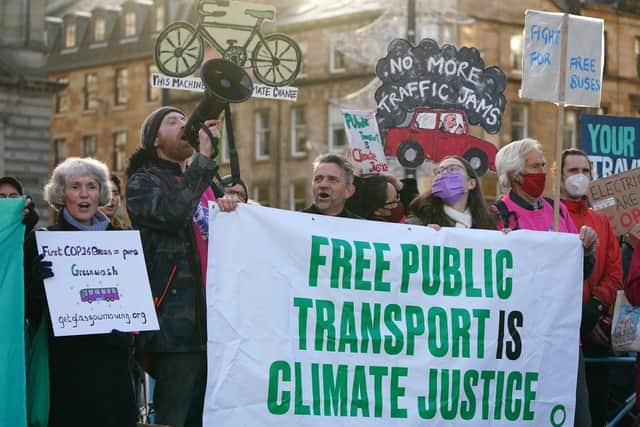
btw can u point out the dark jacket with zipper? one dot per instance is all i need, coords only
(161, 202)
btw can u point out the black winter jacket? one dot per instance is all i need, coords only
(161, 202)
(88, 374)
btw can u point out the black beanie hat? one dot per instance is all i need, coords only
(151, 124)
(13, 182)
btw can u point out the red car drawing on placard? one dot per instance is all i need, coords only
(432, 134)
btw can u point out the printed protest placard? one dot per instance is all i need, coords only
(100, 282)
(194, 84)
(316, 320)
(611, 142)
(364, 139)
(544, 65)
(618, 197)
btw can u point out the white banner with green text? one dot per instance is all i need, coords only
(317, 321)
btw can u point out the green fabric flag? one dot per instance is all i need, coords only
(13, 411)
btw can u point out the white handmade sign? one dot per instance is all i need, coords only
(544, 64)
(365, 141)
(100, 282)
(194, 84)
(315, 320)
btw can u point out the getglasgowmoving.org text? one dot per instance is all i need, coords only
(73, 320)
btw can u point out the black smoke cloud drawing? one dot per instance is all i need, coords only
(430, 76)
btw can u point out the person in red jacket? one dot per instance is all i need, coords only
(632, 292)
(599, 289)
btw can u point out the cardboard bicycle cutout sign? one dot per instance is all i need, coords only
(430, 96)
(233, 28)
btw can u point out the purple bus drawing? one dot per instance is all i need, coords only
(99, 294)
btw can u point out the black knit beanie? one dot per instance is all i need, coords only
(151, 124)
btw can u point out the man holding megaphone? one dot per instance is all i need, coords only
(168, 202)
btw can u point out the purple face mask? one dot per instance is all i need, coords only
(448, 186)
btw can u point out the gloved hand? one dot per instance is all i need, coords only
(29, 215)
(120, 339)
(41, 269)
(591, 312)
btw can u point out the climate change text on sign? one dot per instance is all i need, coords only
(361, 323)
(365, 141)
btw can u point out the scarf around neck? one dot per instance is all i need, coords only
(462, 219)
(99, 222)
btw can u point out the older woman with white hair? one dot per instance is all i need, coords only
(89, 379)
(521, 170)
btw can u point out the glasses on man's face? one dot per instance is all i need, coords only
(391, 203)
(453, 168)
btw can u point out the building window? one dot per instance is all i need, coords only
(604, 54)
(336, 60)
(63, 103)
(119, 150)
(153, 93)
(98, 29)
(515, 52)
(160, 16)
(262, 194)
(448, 34)
(59, 150)
(122, 91)
(130, 24)
(298, 131)
(337, 135)
(262, 134)
(90, 91)
(569, 129)
(89, 146)
(304, 65)
(519, 121)
(297, 196)
(70, 35)
(636, 49)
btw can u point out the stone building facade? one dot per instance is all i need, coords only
(278, 140)
(25, 97)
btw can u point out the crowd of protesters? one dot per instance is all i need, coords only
(168, 187)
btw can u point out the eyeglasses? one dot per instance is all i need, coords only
(392, 202)
(452, 168)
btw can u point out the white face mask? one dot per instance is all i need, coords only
(576, 185)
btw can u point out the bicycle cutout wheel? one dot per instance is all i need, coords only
(276, 60)
(179, 50)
